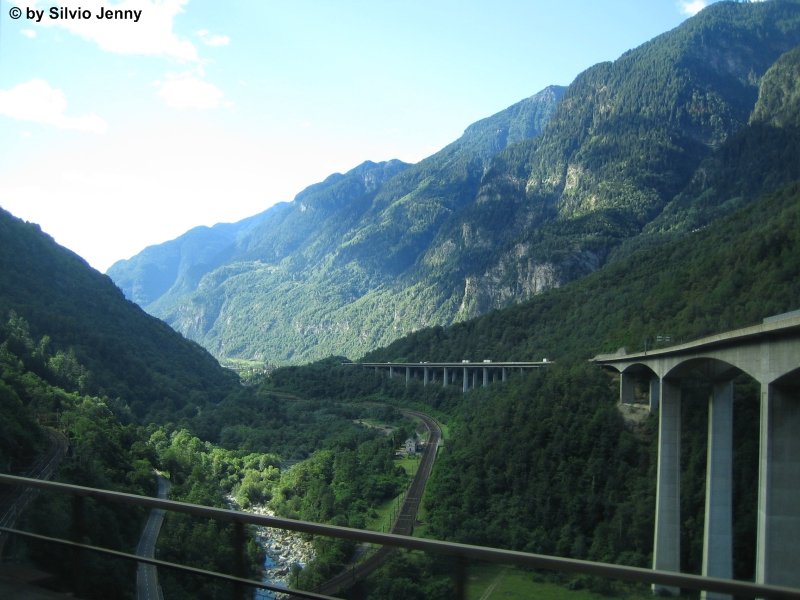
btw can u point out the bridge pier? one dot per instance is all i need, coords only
(654, 394)
(718, 534)
(778, 529)
(627, 388)
(666, 545)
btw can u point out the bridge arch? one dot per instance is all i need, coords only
(631, 376)
(639, 368)
(789, 379)
(709, 367)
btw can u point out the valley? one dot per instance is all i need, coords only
(652, 202)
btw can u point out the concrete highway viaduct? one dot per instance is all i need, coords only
(469, 374)
(770, 354)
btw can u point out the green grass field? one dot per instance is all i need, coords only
(499, 582)
(382, 518)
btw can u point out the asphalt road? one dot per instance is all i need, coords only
(147, 587)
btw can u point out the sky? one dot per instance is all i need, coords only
(116, 134)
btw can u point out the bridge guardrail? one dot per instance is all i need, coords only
(463, 552)
(13, 504)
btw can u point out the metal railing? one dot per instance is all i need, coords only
(11, 504)
(463, 552)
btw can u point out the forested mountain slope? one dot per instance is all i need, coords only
(731, 274)
(115, 348)
(627, 138)
(758, 159)
(180, 263)
(690, 280)
(76, 357)
(546, 192)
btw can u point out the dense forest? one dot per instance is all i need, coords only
(127, 353)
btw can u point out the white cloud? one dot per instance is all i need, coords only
(692, 7)
(28, 33)
(189, 91)
(212, 39)
(37, 101)
(152, 35)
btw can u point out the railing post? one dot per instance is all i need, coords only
(238, 559)
(78, 535)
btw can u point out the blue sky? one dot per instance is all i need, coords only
(119, 134)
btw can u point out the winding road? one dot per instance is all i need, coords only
(147, 587)
(404, 525)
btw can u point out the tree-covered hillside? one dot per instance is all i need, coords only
(663, 140)
(126, 353)
(721, 255)
(628, 136)
(731, 274)
(757, 159)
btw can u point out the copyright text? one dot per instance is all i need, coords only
(59, 13)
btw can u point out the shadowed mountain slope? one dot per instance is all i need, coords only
(126, 353)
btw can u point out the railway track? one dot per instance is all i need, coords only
(14, 502)
(406, 518)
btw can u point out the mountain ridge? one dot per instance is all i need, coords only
(497, 217)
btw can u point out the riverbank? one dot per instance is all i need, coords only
(283, 548)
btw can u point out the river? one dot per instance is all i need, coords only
(283, 550)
